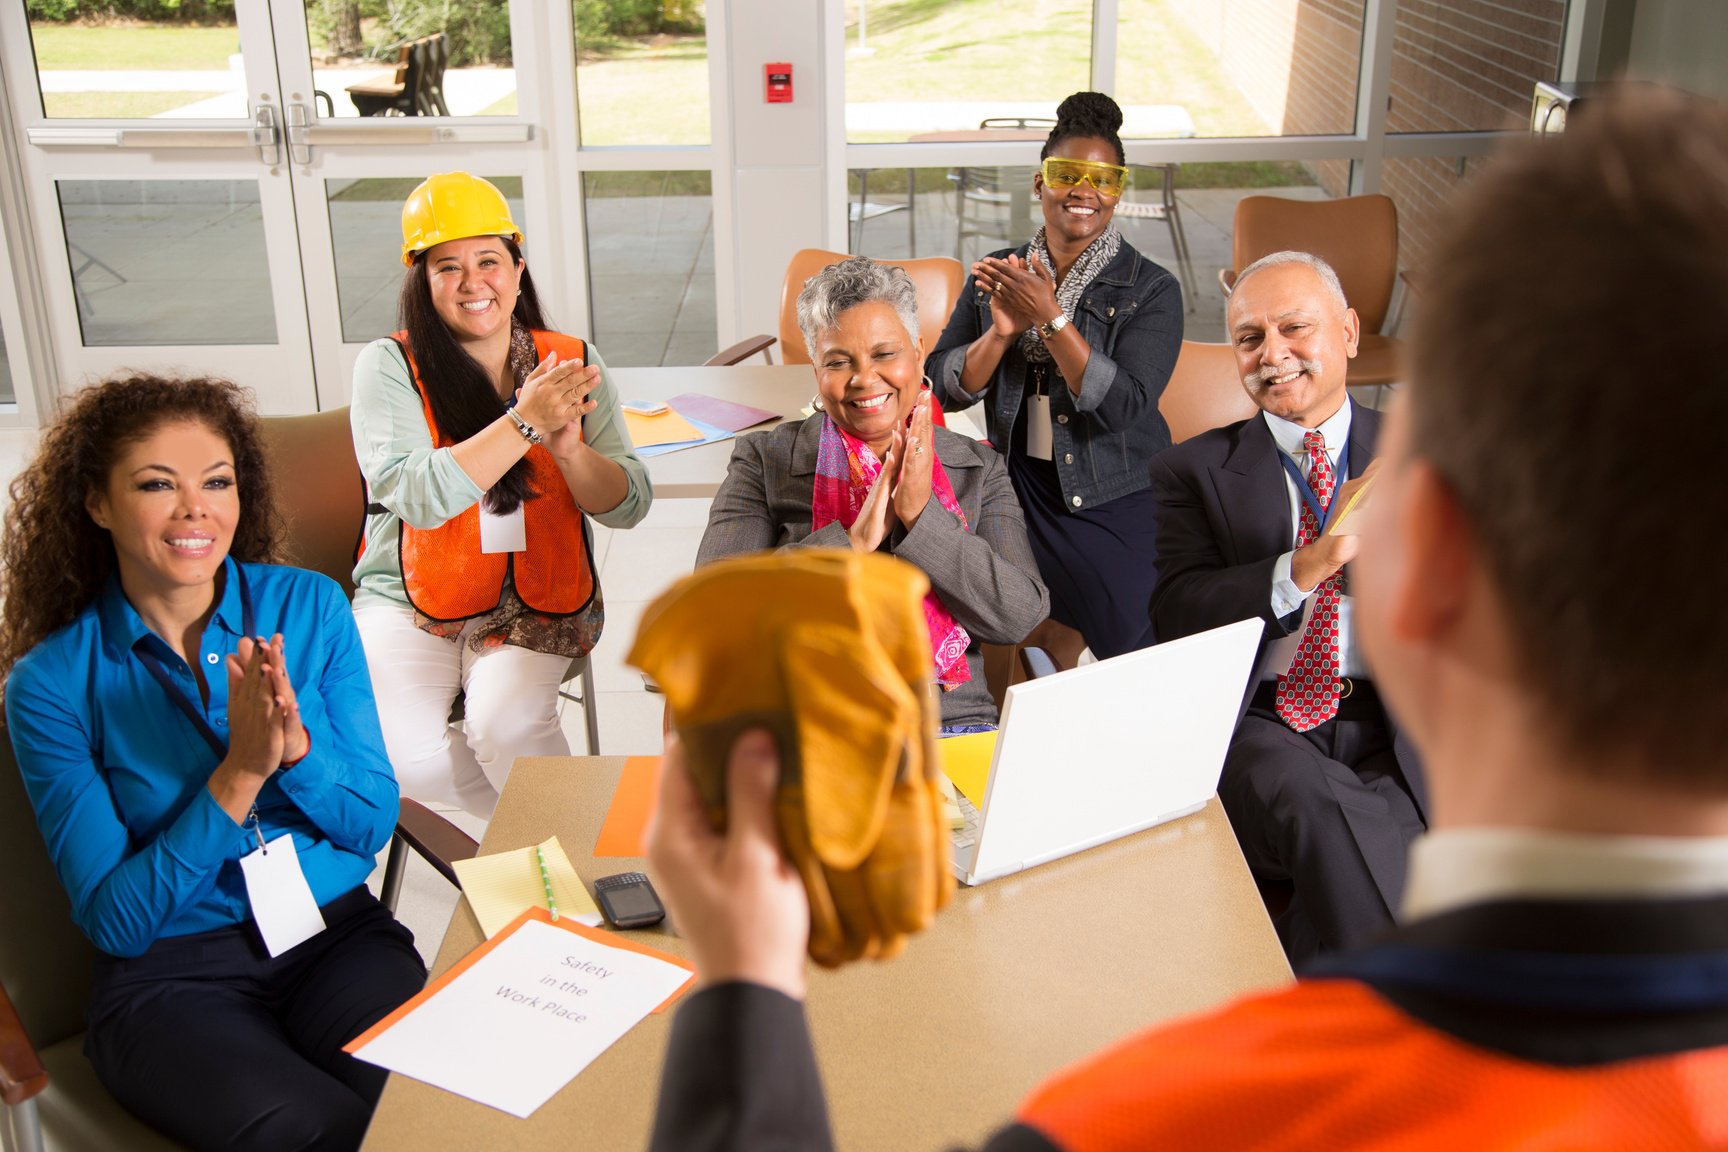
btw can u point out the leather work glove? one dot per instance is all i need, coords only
(829, 651)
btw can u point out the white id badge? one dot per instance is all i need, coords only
(282, 901)
(508, 533)
(1038, 443)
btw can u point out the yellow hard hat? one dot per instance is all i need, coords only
(453, 206)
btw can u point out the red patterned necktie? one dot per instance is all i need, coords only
(1308, 693)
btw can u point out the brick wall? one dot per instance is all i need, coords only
(1457, 65)
(1294, 60)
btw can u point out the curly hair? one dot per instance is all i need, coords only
(53, 557)
(1086, 115)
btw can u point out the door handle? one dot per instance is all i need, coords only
(266, 137)
(299, 133)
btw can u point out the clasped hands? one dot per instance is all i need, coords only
(902, 488)
(555, 397)
(264, 728)
(1022, 293)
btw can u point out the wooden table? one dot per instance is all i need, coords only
(697, 472)
(1015, 979)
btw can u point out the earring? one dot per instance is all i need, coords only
(816, 402)
(928, 386)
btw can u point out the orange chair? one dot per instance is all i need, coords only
(1205, 391)
(1358, 236)
(937, 279)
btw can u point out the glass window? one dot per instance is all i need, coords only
(168, 261)
(7, 395)
(966, 213)
(642, 72)
(1421, 187)
(1238, 67)
(411, 57)
(137, 68)
(914, 67)
(1464, 65)
(366, 232)
(651, 266)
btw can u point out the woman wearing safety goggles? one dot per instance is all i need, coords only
(1070, 339)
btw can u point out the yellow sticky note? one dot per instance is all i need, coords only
(501, 886)
(966, 761)
(666, 428)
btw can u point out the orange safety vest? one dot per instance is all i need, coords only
(448, 578)
(1329, 1064)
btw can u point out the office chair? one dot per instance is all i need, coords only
(1358, 236)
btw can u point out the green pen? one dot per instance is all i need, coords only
(546, 880)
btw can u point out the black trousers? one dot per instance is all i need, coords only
(1329, 811)
(215, 1044)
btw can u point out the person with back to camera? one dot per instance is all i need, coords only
(1537, 590)
(175, 700)
(871, 471)
(1070, 340)
(486, 440)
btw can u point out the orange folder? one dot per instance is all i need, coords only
(626, 825)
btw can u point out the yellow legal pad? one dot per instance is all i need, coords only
(502, 885)
(666, 428)
(966, 761)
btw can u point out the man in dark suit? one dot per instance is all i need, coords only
(1538, 589)
(1318, 789)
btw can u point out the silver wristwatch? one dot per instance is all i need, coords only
(1055, 326)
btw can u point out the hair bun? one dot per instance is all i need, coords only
(1088, 114)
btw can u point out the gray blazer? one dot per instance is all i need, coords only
(986, 578)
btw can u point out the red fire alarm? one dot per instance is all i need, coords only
(777, 83)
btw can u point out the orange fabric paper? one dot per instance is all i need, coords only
(626, 828)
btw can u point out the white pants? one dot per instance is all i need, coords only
(511, 708)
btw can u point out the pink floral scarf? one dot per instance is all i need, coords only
(845, 469)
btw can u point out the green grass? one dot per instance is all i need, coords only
(625, 184)
(1159, 60)
(641, 92)
(111, 47)
(1244, 174)
(941, 50)
(395, 189)
(116, 105)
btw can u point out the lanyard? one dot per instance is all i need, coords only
(1322, 516)
(191, 711)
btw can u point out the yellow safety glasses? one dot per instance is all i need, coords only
(1108, 179)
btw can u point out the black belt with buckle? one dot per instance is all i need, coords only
(1357, 699)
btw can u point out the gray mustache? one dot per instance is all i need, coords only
(1258, 378)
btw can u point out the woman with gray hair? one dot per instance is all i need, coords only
(871, 472)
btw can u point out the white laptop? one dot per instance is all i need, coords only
(1105, 750)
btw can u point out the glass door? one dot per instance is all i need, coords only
(220, 193)
(423, 88)
(162, 212)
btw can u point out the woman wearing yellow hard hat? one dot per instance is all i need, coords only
(486, 440)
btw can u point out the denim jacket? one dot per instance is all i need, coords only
(1131, 315)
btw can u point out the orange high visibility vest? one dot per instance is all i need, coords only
(448, 578)
(1329, 1064)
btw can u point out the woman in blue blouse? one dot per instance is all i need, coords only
(176, 701)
